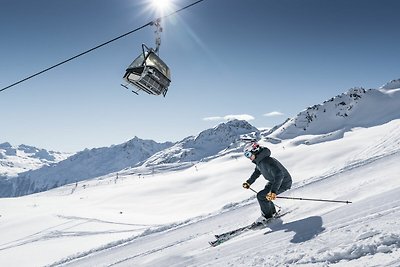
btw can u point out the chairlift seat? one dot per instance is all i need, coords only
(149, 73)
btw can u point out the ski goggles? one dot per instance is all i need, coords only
(247, 154)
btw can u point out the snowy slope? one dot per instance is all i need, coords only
(83, 165)
(17, 159)
(167, 219)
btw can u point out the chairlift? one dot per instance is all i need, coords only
(148, 72)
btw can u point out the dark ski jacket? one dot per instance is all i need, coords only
(274, 172)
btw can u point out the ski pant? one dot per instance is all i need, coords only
(268, 207)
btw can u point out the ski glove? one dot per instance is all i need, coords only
(271, 196)
(246, 185)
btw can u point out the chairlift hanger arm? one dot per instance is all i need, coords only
(158, 31)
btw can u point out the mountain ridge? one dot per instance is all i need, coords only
(21, 158)
(357, 107)
(91, 163)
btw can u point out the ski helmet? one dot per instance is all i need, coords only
(251, 149)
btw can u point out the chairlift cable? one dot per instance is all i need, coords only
(101, 45)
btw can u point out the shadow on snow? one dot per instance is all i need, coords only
(305, 229)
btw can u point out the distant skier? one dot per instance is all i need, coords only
(278, 178)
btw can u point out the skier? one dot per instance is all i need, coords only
(278, 178)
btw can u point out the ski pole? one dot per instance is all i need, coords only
(309, 199)
(315, 199)
(253, 190)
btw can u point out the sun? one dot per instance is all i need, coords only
(161, 5)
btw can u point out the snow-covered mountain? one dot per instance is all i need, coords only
(209, 143)
(22, 158)
(356, 108)
(83, 165)
(393, 84)
(101, 161)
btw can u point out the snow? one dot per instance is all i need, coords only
(169, 217)
(17, 159)
(136, 152)
(393, 84)
(165, 214)
(356, 108)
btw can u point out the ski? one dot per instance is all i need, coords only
(221, 238)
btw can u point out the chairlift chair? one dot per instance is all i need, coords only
(149, 73)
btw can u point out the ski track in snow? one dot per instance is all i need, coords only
(158, 229)
(62, 230)
(382, 148)
(355, 236)
(365, 239)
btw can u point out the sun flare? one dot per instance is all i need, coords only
(161, 5)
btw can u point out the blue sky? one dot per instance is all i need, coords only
(227, 58)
